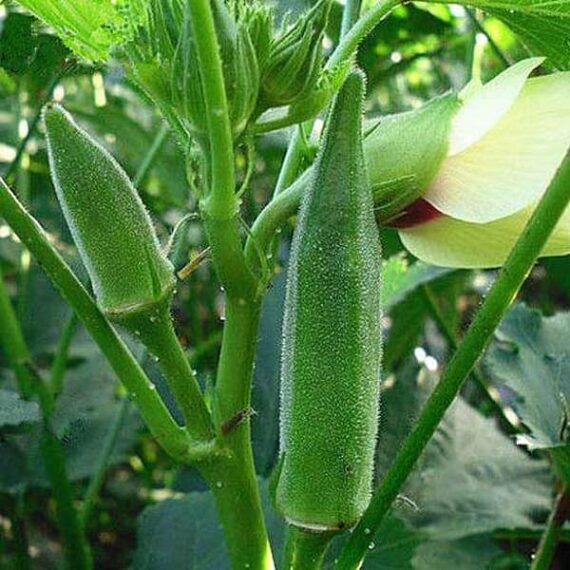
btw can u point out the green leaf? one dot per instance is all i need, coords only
(400, 278)
(90, 27)
(542, 25)
(531, 355)
(472, 553)
(184, 533)
(84, 413)
(394, 546)
(464, 483)
(15, 411)
(17, 42)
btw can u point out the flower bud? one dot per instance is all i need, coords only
(404, 153)
(295, 59)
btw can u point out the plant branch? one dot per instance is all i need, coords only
(77, 552)
(102, 462)
(363, 26)
(504, 290)
(232, 479)
(542, 559)
(350, 15)
(221, 202)
(59, 365)
(13, 343)
(173, 438)
(490, 393)
(479, 26)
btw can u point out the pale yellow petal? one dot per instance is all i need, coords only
(512, 165)
(484, 105)
(453, 243)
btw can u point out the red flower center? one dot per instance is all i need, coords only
(416, 213)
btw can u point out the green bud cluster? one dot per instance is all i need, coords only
(295, 60)
(164, 60)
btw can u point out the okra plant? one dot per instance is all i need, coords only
(268, 226)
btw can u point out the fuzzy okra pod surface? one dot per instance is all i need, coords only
(332, 338)
(107, 219)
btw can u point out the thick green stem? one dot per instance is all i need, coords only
(499, 299)
(273, 216)
(305, 550)
(232, 479)
(221, 201)
(542, 560)
(174, 439)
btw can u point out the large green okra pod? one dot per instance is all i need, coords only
(332, 339)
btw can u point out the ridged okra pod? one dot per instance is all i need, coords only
(132, 278)
(332, 339)
(107, 219)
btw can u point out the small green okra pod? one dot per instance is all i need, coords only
(107, 219)
(332, 338)
(132, 278)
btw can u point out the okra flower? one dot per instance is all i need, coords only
(502, 146)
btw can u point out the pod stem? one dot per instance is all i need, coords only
(174, 439)
(154, 329)
(305, 550)
(502, 294)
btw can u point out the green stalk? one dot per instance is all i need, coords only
(102, 462)
(350, 15)
(232, 479)
(489, 392)
(77, 552)
(362, 27)
(546, 550)
(158, 336)
(502, 294)
(305, 550)
(220, 201)
(13, 343)
(59, 365)
(495, 47)
(174, 439)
